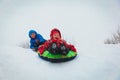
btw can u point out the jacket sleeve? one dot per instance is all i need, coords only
(31, 44)
(40, 37)
(70, 46)
(43, 47)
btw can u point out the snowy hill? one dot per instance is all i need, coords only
(86, 24)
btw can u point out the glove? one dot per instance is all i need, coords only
(41, 49)
(71, 47)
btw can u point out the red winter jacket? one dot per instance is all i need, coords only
(46, 45)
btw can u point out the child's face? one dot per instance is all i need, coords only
(33, 35)
(56, 36)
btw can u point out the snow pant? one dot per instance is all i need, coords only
(54, 49)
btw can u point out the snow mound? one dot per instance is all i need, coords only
(24, 44)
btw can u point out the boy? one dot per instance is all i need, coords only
(35, 40)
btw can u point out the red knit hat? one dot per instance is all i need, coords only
(53, 31)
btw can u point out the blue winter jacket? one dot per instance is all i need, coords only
(33, 43)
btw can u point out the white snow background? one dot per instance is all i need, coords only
(84, 23)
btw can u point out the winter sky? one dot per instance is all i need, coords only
(64, 14)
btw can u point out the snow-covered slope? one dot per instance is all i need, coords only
(86, 24)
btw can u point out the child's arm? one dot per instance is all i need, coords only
(40, 37)
(43, 47)
(31, 44)
(70, 46)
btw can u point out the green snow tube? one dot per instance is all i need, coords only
(58, 57)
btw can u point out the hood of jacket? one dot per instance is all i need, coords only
(32, 31)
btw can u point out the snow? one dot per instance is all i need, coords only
(84, 23)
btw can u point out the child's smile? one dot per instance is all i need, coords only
(56, 36)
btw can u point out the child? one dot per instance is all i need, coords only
(35, 40)
(55, 44)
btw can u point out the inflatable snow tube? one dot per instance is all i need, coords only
(58, 57)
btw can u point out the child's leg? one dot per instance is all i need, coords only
(63, 49)
(53, 48)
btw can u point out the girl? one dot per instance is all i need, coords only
(56, 44)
